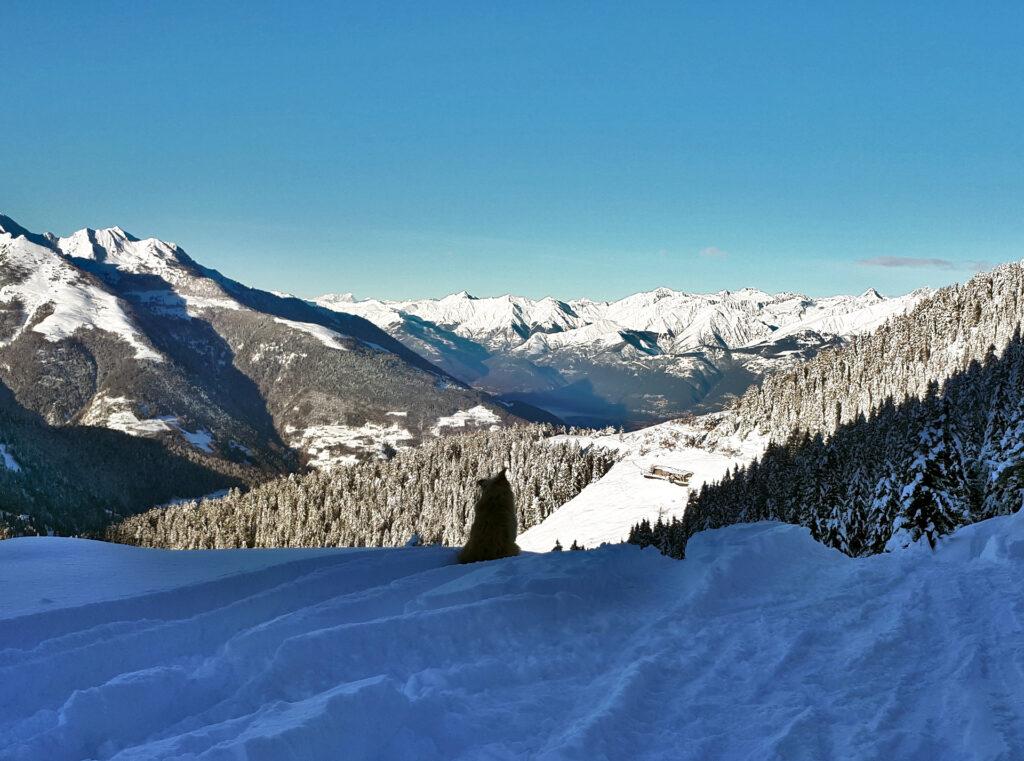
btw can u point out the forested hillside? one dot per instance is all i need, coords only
(428, 491)
(76, 479)
(938, 339)
(904, 435)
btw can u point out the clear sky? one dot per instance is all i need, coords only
(571, 149)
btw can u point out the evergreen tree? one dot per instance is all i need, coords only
(934, 500)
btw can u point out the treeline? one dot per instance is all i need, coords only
(912, 472)
(427, 492)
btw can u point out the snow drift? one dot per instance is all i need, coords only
(761, 644)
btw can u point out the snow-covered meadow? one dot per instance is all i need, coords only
(608, 508)
(762, 644)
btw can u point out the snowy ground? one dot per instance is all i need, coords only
(606, 509)
(329, 445)
(474, 417)
(117, 413)
(761, 645)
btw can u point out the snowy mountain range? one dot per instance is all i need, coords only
(100, 329)
(643, 359)
(103, 329)
(886, 446)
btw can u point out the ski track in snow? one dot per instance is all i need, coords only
(761, 645)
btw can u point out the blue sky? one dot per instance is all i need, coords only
(415, 149)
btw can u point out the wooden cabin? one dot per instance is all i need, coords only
(676, 476)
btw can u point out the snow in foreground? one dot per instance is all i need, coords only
(761, 645)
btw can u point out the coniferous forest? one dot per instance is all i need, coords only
(903, 435)
(425, 495)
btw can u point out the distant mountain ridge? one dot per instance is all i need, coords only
(646, 358)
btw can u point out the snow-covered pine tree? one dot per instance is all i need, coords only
(1002, 450)
(641, 534)
(934, 498)
(853, 535)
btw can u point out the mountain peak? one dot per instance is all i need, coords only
(338, 298)
(118, 233)
(114, 246)
(871, 293)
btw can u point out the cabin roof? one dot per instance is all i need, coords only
(670, 469)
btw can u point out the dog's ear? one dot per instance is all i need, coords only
(501, 475)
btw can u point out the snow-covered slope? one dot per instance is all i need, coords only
(645, 358)
(607, 509)
(53, 298)
(762, 644)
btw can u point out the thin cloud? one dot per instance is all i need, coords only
(909, 262)
(713, 252)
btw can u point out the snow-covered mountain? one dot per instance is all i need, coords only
(645, 358)
(100, 328)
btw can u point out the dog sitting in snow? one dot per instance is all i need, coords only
(493, 534)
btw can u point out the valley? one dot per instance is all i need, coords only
(642, 360)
